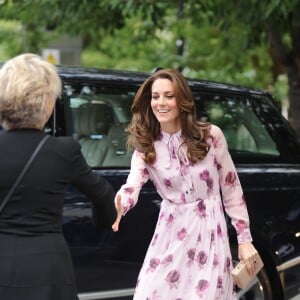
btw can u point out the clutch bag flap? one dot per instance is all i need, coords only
(241, 276)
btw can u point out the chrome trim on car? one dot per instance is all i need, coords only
(288, 264)
(106, 294)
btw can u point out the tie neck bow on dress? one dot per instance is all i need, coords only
(175, 144)
(178, 157)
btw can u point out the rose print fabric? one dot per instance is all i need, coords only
(189, 256)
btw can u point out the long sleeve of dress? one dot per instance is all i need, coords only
(232, 193)
(137, 177)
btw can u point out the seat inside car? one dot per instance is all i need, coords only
(92, 122)
(117, 154)
(237, 135)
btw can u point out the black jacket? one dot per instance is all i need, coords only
(37, 204)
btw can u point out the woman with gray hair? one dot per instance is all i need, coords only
(35, 263)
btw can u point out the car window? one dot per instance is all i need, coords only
(97, 116)
(97, 119)
(243, 129)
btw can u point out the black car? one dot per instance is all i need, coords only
(95, 110)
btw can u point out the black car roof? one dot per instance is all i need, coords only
(135, 77)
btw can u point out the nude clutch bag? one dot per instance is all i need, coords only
(241, 276)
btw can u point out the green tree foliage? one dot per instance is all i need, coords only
(135, 47)
(245, 42)
(273, 23)
(79, 17)
(12, 44)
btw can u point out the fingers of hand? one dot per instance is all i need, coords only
(119, 208)
(251, 264)
(248, 254)
(250, 268)
(115, 226)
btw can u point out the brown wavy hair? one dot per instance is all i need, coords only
(144, 128)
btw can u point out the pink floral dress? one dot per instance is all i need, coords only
(189, 256)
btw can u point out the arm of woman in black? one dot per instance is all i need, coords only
(95, 187)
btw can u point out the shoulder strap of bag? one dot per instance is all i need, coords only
(21, 175)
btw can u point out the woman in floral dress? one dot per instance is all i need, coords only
(188, 162)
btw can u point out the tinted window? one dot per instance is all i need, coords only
(97, 117)
(242, 127)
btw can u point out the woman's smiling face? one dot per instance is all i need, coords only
(164, 105)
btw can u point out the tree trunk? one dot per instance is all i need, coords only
(294, 102)
(289, 59)
(293, 72)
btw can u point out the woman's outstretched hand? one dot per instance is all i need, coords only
(119, 208)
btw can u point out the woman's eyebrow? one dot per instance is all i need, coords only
(164, 92)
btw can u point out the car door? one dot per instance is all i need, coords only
(106, 263)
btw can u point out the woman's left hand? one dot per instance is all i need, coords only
(248, 254)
